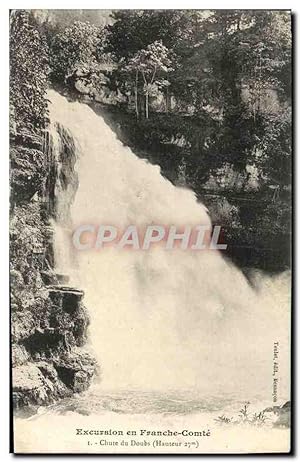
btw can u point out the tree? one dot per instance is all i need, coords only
(151, 63)
(134, 30)
(74, 51)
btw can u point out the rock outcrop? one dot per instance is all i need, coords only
(280, 415)
(49, 319)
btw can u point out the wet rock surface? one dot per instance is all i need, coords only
(48, 360)
(48, 318)
(43, 382)
(280, 415)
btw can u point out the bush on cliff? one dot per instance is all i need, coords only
(74, 55)
(28, 72)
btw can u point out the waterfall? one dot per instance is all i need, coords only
(165, 319)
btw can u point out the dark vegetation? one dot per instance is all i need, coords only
(207, 96)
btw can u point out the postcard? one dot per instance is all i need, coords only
(150, 231)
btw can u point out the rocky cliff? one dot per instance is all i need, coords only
(49, 319)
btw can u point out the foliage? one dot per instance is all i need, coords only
(151, 63)
(225, 66)
(134, 30)
(28, 71)
(74, 50)
(218, 49)
(196, 91)
(28, 104)
(151, 60)
(257, 419)
(29, 118)
(244, 412)
(275, 151)
(223, 419)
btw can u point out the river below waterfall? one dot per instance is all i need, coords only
(102, 420)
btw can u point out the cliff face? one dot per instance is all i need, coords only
(49, 319)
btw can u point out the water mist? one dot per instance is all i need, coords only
(164, 319)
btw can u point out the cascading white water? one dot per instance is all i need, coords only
(165, 319)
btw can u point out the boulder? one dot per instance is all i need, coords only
(76, 370)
